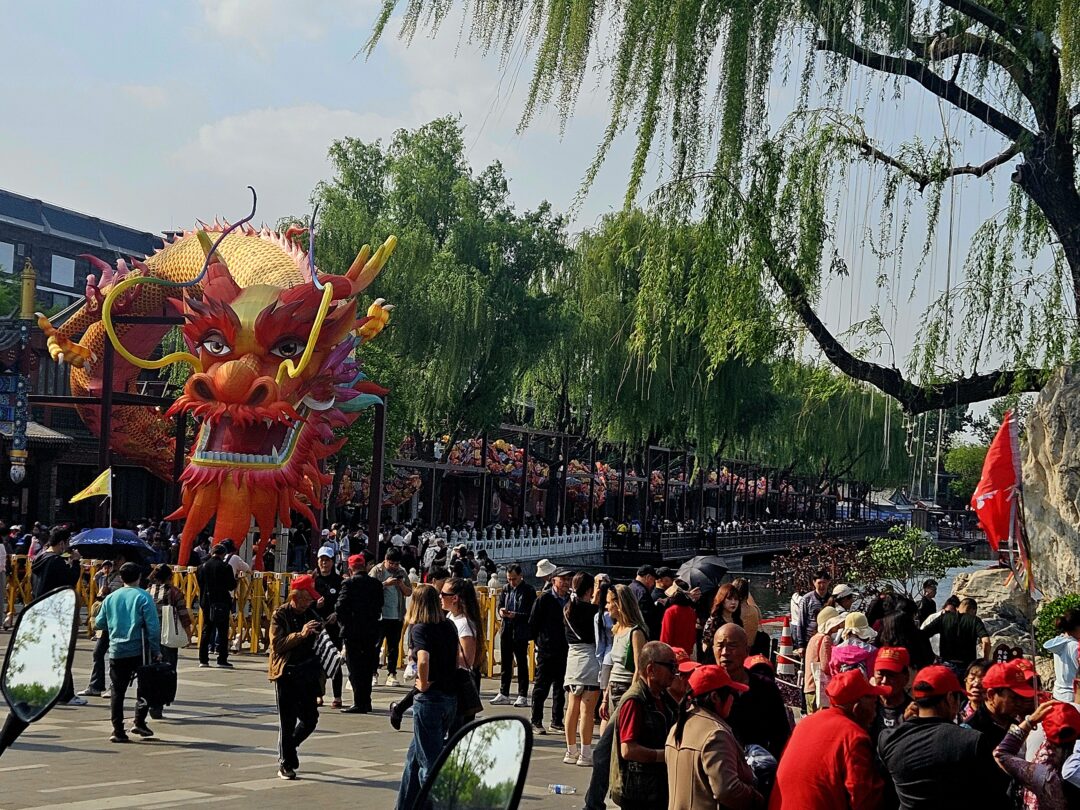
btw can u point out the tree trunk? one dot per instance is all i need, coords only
(1046, 176)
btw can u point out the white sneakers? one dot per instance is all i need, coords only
(499, 700)
(392, 680)
(522, 702)
(585, 758)
(571, 756)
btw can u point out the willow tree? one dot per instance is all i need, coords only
(692, 78)
(592, 367)
(465, 278)
(831, 428)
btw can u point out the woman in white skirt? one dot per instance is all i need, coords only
(582, 680)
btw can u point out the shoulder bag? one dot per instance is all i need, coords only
(629, 661)
(468, 695)
(328, 655)
(156, 679)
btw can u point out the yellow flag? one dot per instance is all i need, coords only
(102, 486)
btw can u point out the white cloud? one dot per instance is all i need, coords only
(281, 151)
(150, 96)
(262, 24)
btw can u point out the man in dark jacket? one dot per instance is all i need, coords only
(216, 582)
(359, 607)
(50, 571)
(932, 761)
(546, 627)
(758, 716)
(642, 588)
(515, 604)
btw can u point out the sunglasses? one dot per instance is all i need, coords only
(446, 594)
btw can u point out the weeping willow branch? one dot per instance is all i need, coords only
(924, 179)
(936, 84)
(913, 398)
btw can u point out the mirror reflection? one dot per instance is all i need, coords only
(37, 657)
(482, 770)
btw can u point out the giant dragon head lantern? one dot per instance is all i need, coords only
(271, 343)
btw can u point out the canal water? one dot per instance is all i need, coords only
(774, 604)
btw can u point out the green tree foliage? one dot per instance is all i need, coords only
(964, 463)
(1049, 613)
(832, 427)
(693, 79)
(466, 279)
(905, 558)
(987, 425)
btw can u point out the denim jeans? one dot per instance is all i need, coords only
(433, 712)
(97, 671)
(596, 796)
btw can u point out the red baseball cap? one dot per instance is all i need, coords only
(1062, 724)
(847, 687)
(1019, 677)
(758, 661)
(357, 559)
(892, 659)
(709, 678)
(305, 583)
(935, 681)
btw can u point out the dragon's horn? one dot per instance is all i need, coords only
(208, 248)
(371, 267)
(358, 263)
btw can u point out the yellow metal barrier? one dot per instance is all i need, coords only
(258, 595)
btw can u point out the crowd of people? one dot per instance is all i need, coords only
(667, 694)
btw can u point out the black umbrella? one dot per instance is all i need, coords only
(106, 544)
(703, 572)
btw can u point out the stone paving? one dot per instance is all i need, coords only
(218, 746)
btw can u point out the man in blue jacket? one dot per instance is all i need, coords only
(131, 619)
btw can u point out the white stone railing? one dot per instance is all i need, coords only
(521, 545)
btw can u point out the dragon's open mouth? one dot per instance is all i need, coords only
(265, 443)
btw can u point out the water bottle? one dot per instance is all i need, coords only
(562, 789)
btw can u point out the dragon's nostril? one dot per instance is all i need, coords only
(259, 394)
(203, 389)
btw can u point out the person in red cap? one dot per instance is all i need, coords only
(705, 763)
(295, 671)
(932, 761)
(829, 763)
(1044, 785)
(891, 670)
(359, 609)
(1008, 697)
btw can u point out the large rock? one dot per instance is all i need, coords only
(1051, 471)
(1001, 605)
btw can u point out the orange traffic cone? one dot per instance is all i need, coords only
(785, 662)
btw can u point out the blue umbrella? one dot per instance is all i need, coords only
(105, 544)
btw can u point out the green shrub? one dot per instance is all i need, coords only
(1049, 613)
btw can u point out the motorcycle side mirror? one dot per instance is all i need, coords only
(38, 660)
(483, 767)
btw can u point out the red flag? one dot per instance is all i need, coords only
(995, 499)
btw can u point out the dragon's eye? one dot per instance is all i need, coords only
(216, 345)
(288, 348)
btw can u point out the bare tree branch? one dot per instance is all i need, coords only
(913, 398)
(923, 179)
(999, 25)
(936, 84)
(941, 48)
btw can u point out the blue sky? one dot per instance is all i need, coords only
(152, 114)
(155, 114)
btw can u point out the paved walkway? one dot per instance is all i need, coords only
(218, 746)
